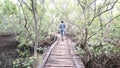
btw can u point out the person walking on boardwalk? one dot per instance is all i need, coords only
(62, 27)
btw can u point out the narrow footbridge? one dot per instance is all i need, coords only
(61, 55)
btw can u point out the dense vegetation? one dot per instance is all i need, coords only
(92, 24)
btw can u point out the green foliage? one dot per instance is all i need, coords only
(24, 63)
(24, 45)
(25, 53)
(40, 49)
(115, 30)
(9, 8)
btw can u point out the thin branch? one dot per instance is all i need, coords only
(81, 4)
(73, 23)
(51, 21)
(95, 7)
(25, 25)
(104, 6)
(40, 17)
(104, 26)
(92, 2)
(26, 5)
(102, 13)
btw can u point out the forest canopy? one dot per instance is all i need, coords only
(92, 24)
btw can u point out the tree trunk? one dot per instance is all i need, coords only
(36, 33)
(101, 26)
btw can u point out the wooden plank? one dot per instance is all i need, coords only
(61, 57)
(48, 54)
(59, 67)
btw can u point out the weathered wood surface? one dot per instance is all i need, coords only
(62, 56)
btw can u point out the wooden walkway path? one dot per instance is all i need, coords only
(61, 55)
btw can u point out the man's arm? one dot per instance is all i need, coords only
(60, 26)
(64, 25)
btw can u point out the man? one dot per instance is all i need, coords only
(62, 27)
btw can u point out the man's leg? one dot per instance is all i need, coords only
(62, 34)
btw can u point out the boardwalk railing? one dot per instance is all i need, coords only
(47, 55)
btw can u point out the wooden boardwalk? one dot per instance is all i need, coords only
(61, 55)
